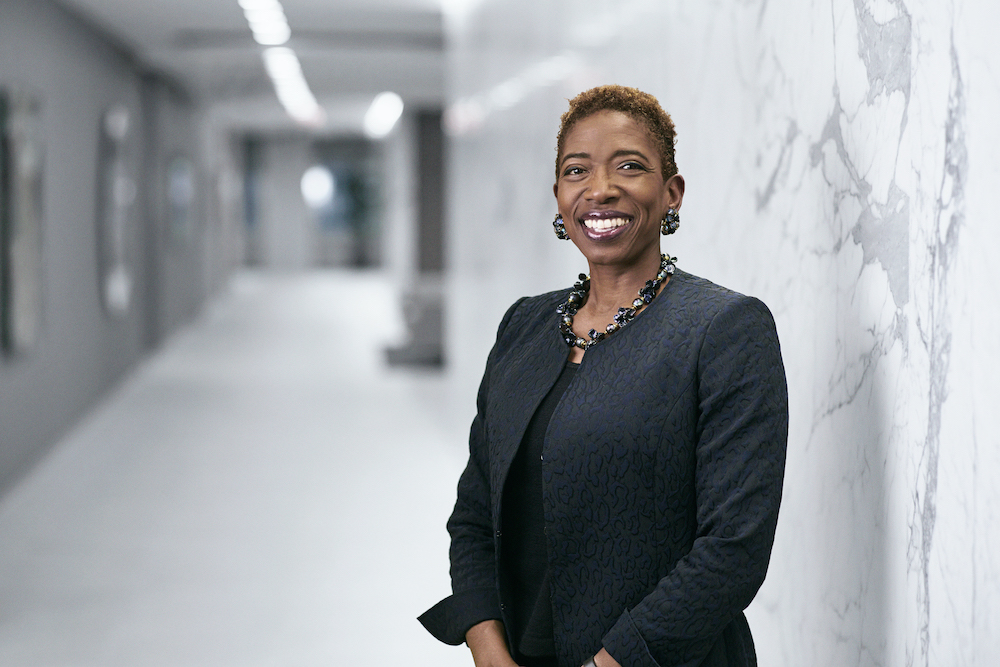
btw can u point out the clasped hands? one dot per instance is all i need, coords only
(488, 643)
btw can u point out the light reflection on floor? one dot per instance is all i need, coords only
(261, 492)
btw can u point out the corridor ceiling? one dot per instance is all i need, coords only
(350, 51)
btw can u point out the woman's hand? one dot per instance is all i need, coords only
(488, 643)
(604, 659)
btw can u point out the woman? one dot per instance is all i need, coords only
(626, 461)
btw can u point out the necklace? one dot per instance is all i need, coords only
(578, 297)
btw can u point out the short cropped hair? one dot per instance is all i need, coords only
(641, 106)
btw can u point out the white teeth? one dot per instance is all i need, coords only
(602, 225)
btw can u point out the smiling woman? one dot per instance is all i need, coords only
(612, 193)
(626, 462)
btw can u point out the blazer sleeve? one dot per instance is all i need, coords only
(473, 558)
(742, 431)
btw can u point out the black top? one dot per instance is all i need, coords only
(523, 556)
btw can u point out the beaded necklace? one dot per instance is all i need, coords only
(578, 297)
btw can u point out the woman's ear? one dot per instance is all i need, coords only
(674, 188)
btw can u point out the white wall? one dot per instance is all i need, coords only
(839, 158)
(287, 228)
(400, 219)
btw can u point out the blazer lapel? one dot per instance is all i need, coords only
(528, 371)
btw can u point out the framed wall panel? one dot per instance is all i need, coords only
(4, 223)
(180, 201)
(115, 194)
(21, 161)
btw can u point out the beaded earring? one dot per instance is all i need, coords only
(560, 227)
(671, 221)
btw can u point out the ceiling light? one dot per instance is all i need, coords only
(273, 35)
(270, 28)
(267, 21)
(290, 85)
(265, 15)
(382, 115)
(255, 5)
(318, 186)
(281, 63)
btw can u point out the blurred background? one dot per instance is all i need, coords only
(253, 255)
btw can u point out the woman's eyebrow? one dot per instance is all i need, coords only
(619, 153)
(584, 156)
(625, 151)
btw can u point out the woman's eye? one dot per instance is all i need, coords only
(573, 171)
(633, 166)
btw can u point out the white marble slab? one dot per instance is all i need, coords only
(840, 159)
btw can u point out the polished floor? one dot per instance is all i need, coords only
(263, 491)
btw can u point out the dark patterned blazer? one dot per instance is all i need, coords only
(662, 474)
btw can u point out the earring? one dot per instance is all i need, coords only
(671, 221)
(560, 227)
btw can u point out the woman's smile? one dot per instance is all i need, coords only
(604, 225)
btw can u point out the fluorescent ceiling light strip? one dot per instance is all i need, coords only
(270, 28)
(267, 21)
(281, 62)
(256, 5)
(290, 85)
(273, 36)
(269, 15)
(382, 115)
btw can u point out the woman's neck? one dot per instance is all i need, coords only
(614, 287)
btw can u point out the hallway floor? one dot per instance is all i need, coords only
(262, 491)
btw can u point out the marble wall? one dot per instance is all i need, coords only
(838, 156)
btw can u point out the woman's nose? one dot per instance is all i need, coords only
(602, 187)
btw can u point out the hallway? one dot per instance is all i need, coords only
(261, 491)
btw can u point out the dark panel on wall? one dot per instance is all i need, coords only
(21, 170)
(354, 207)
(430, 191)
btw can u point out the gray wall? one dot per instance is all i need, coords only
(174, 259)
(82, 351)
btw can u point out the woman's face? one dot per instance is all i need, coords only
(610, 190)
